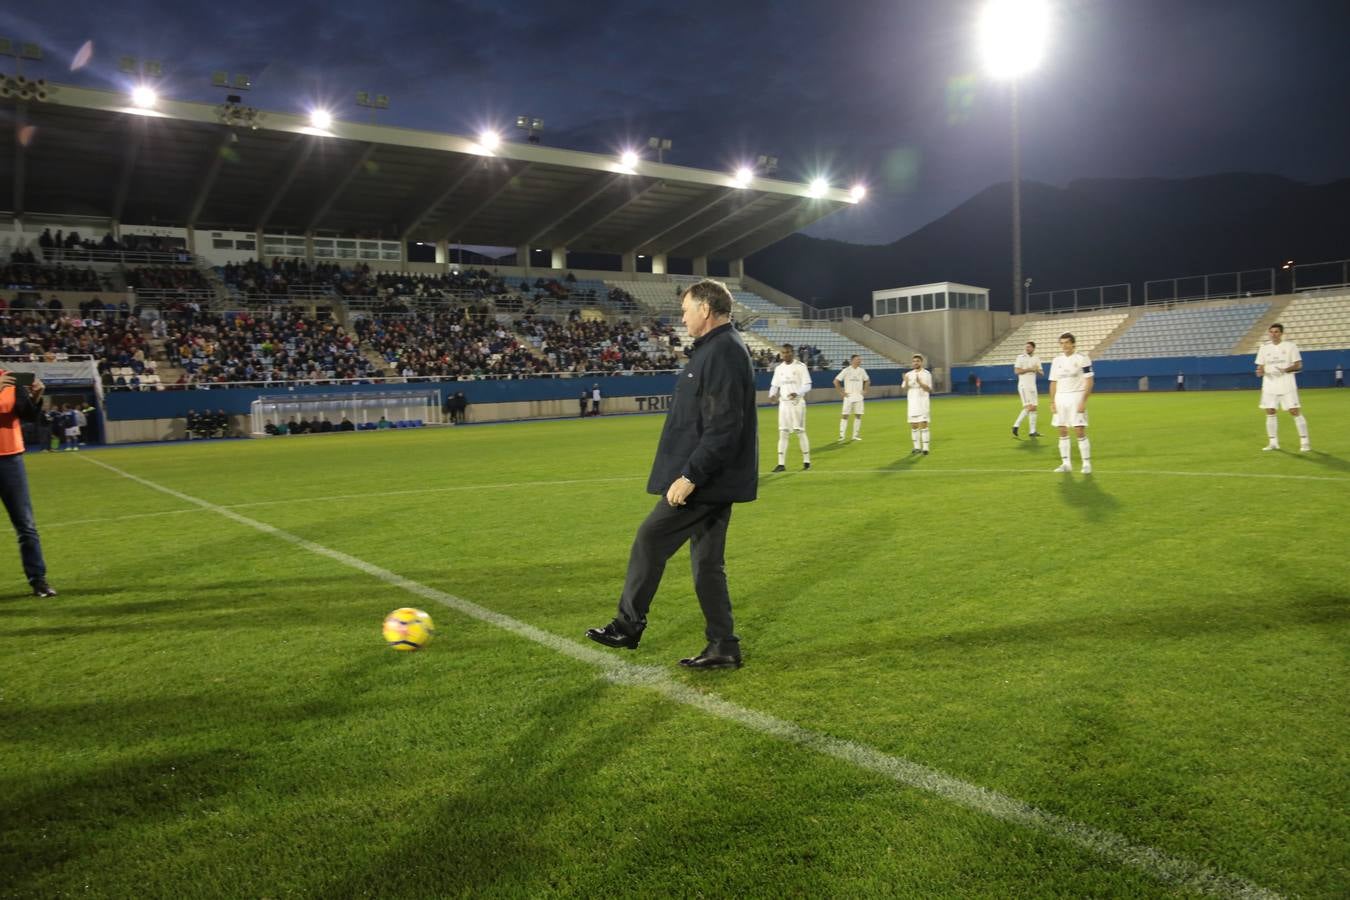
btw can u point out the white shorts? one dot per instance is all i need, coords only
(73, 431)
(918, 410)
(852, 405)
(792, 415)
(1287, 400)
(1066, 411)
(1028, 395)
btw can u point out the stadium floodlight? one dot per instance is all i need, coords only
(629, 159)
(744, 175)
(660, 145)
(144, 97)
(532, 126)
(489, 140)
(321, 119)
(1013, 36)
(857, 193)
(818, 187)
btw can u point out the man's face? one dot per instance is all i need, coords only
(695, 315)
(787, 354)
(1066, 344)
(1276, 335)
(916, 363)
(856, 361)
(1031, 349)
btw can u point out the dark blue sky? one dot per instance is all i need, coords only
(886, 92)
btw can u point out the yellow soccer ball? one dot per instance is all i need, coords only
(408, 629)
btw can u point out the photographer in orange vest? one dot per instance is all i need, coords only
(21, 400)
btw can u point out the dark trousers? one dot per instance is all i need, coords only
(14, 492)
(663, 532)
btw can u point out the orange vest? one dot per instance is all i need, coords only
(11, 432)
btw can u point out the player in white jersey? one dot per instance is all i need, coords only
(791, 381)
(918, 385)
(1028, 368)
(852, 385)
(1070, 388)
(1276, 363)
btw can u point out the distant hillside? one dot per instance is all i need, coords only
(1097, 231)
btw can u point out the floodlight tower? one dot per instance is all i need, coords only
(1012, 38)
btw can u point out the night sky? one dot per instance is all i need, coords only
(888, 93)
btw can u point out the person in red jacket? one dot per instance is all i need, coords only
(20, 402)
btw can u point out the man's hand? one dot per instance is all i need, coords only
(792, 396)
(36, 388)
(1082, 407)
(678, 492)
(6, 380)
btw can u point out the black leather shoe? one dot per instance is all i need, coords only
(780, 468)
(42, 589)
(711, 659)
(612, 636)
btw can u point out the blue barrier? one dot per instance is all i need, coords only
(172, 404)
(1202, 373)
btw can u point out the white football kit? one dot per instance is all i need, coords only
(1070, 372)
(852, 381)
(791, 378)
(1279, 390)
(1026, 381)
(917, 399)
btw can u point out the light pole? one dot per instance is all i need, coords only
(1012, 36)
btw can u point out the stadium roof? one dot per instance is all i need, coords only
(91, 153)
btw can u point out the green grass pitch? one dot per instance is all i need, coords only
(1158, 651)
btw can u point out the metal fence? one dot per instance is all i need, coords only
(1214, 286)
(1319, 276)
(1102, 296)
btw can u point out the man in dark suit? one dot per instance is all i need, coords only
(707, 459)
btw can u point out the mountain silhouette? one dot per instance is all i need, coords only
(1091, 232)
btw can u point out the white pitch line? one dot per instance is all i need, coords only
(1171, 870)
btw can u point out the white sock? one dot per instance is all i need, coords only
(1065, 450)
(782, 447)
(914, 437)
(1273, 429)
(857, 426)
(843, 428)
(1084, 450)
(1302, 425)
(923, 436)
(1020, 416)
(1033, 421)
(805, 445)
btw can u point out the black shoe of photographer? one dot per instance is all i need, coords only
(42, 589)
(612, 636)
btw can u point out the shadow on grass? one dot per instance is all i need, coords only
(1136, 625)
(49, 820)
(1335, 463)
(1083, 494)
(497, 836)
(1034, 445)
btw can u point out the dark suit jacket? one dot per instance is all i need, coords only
(711, 434)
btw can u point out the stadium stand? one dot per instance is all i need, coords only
(1212, 331)
(833, 349)
(1315, 322)
(285, 346)
(1089, 330)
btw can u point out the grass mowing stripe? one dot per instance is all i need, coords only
(1106, 844)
